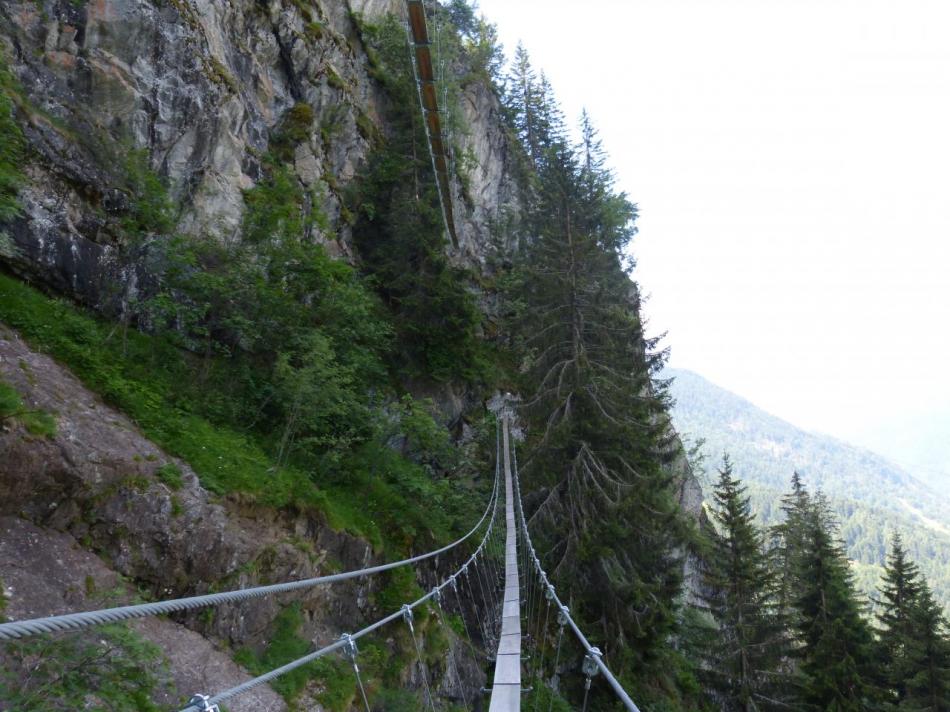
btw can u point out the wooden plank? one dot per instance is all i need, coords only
(425, 75)
(417, 22)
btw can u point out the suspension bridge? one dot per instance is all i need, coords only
(420, 57)
(500, 592)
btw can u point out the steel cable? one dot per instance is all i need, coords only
(347, 640)
(592, 653)
(85, 619)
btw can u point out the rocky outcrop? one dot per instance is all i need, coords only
(88, 502)
(196, 90)
(200, 86)
(47, 572)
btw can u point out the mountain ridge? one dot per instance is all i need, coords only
(872, 496)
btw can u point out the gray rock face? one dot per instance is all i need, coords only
(47, 572)
(87, 502)
(200, 85)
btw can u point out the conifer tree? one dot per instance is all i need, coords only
(913, 646)
(599, 442)
(836, 655)
(927, 687)
(523, 101)
(899, 592)
(788, 542)
(743, 658)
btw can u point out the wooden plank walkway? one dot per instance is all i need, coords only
(506, 688)
(425, 79)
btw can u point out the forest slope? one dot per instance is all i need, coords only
(873, 497)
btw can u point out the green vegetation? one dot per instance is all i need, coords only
(791, 631)
(914, 650)
(749, 642)
(151, 211)
(284, 645)
(400, 235)
(36, 422)
(170, 474)
(603, 507)
(381, 665)
(871, 498)
(544, 698)
(191, 407)
(111, 668)
(11, 159)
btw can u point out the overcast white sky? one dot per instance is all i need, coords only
(791, 160)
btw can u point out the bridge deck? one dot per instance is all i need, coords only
(506, 688)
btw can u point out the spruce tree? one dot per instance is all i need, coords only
(788, 543)
(836, 667)
(927, 686)
(743, 660)
(599, 441)
(523, 99)
(899, 592)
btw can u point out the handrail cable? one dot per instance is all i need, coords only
(593, 654)
(346, 641)
(85, 619)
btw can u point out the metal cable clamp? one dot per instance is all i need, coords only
(202, 702)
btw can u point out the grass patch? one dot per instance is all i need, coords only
(285, 645)
(170, 474)
(36, 422)
(371, 491)
(381, 666)
(146, 377)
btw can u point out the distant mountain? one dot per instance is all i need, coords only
(920, 443)
(873, 496)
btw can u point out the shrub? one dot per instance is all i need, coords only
(170, 474)
(36, 422)
(112, 668)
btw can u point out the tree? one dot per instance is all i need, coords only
(399, 232)
(743, 659)
(836, 653)
(913, 645)
(604, 507)
(927, 653)
(899, 592)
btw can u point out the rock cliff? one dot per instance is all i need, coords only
(195, 89)
(200, 86)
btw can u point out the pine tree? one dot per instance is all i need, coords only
(743, 659)
(927, 686)
(788, 543)
(599, 442)
(836, 654)
(523, 101)
(901, 587)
